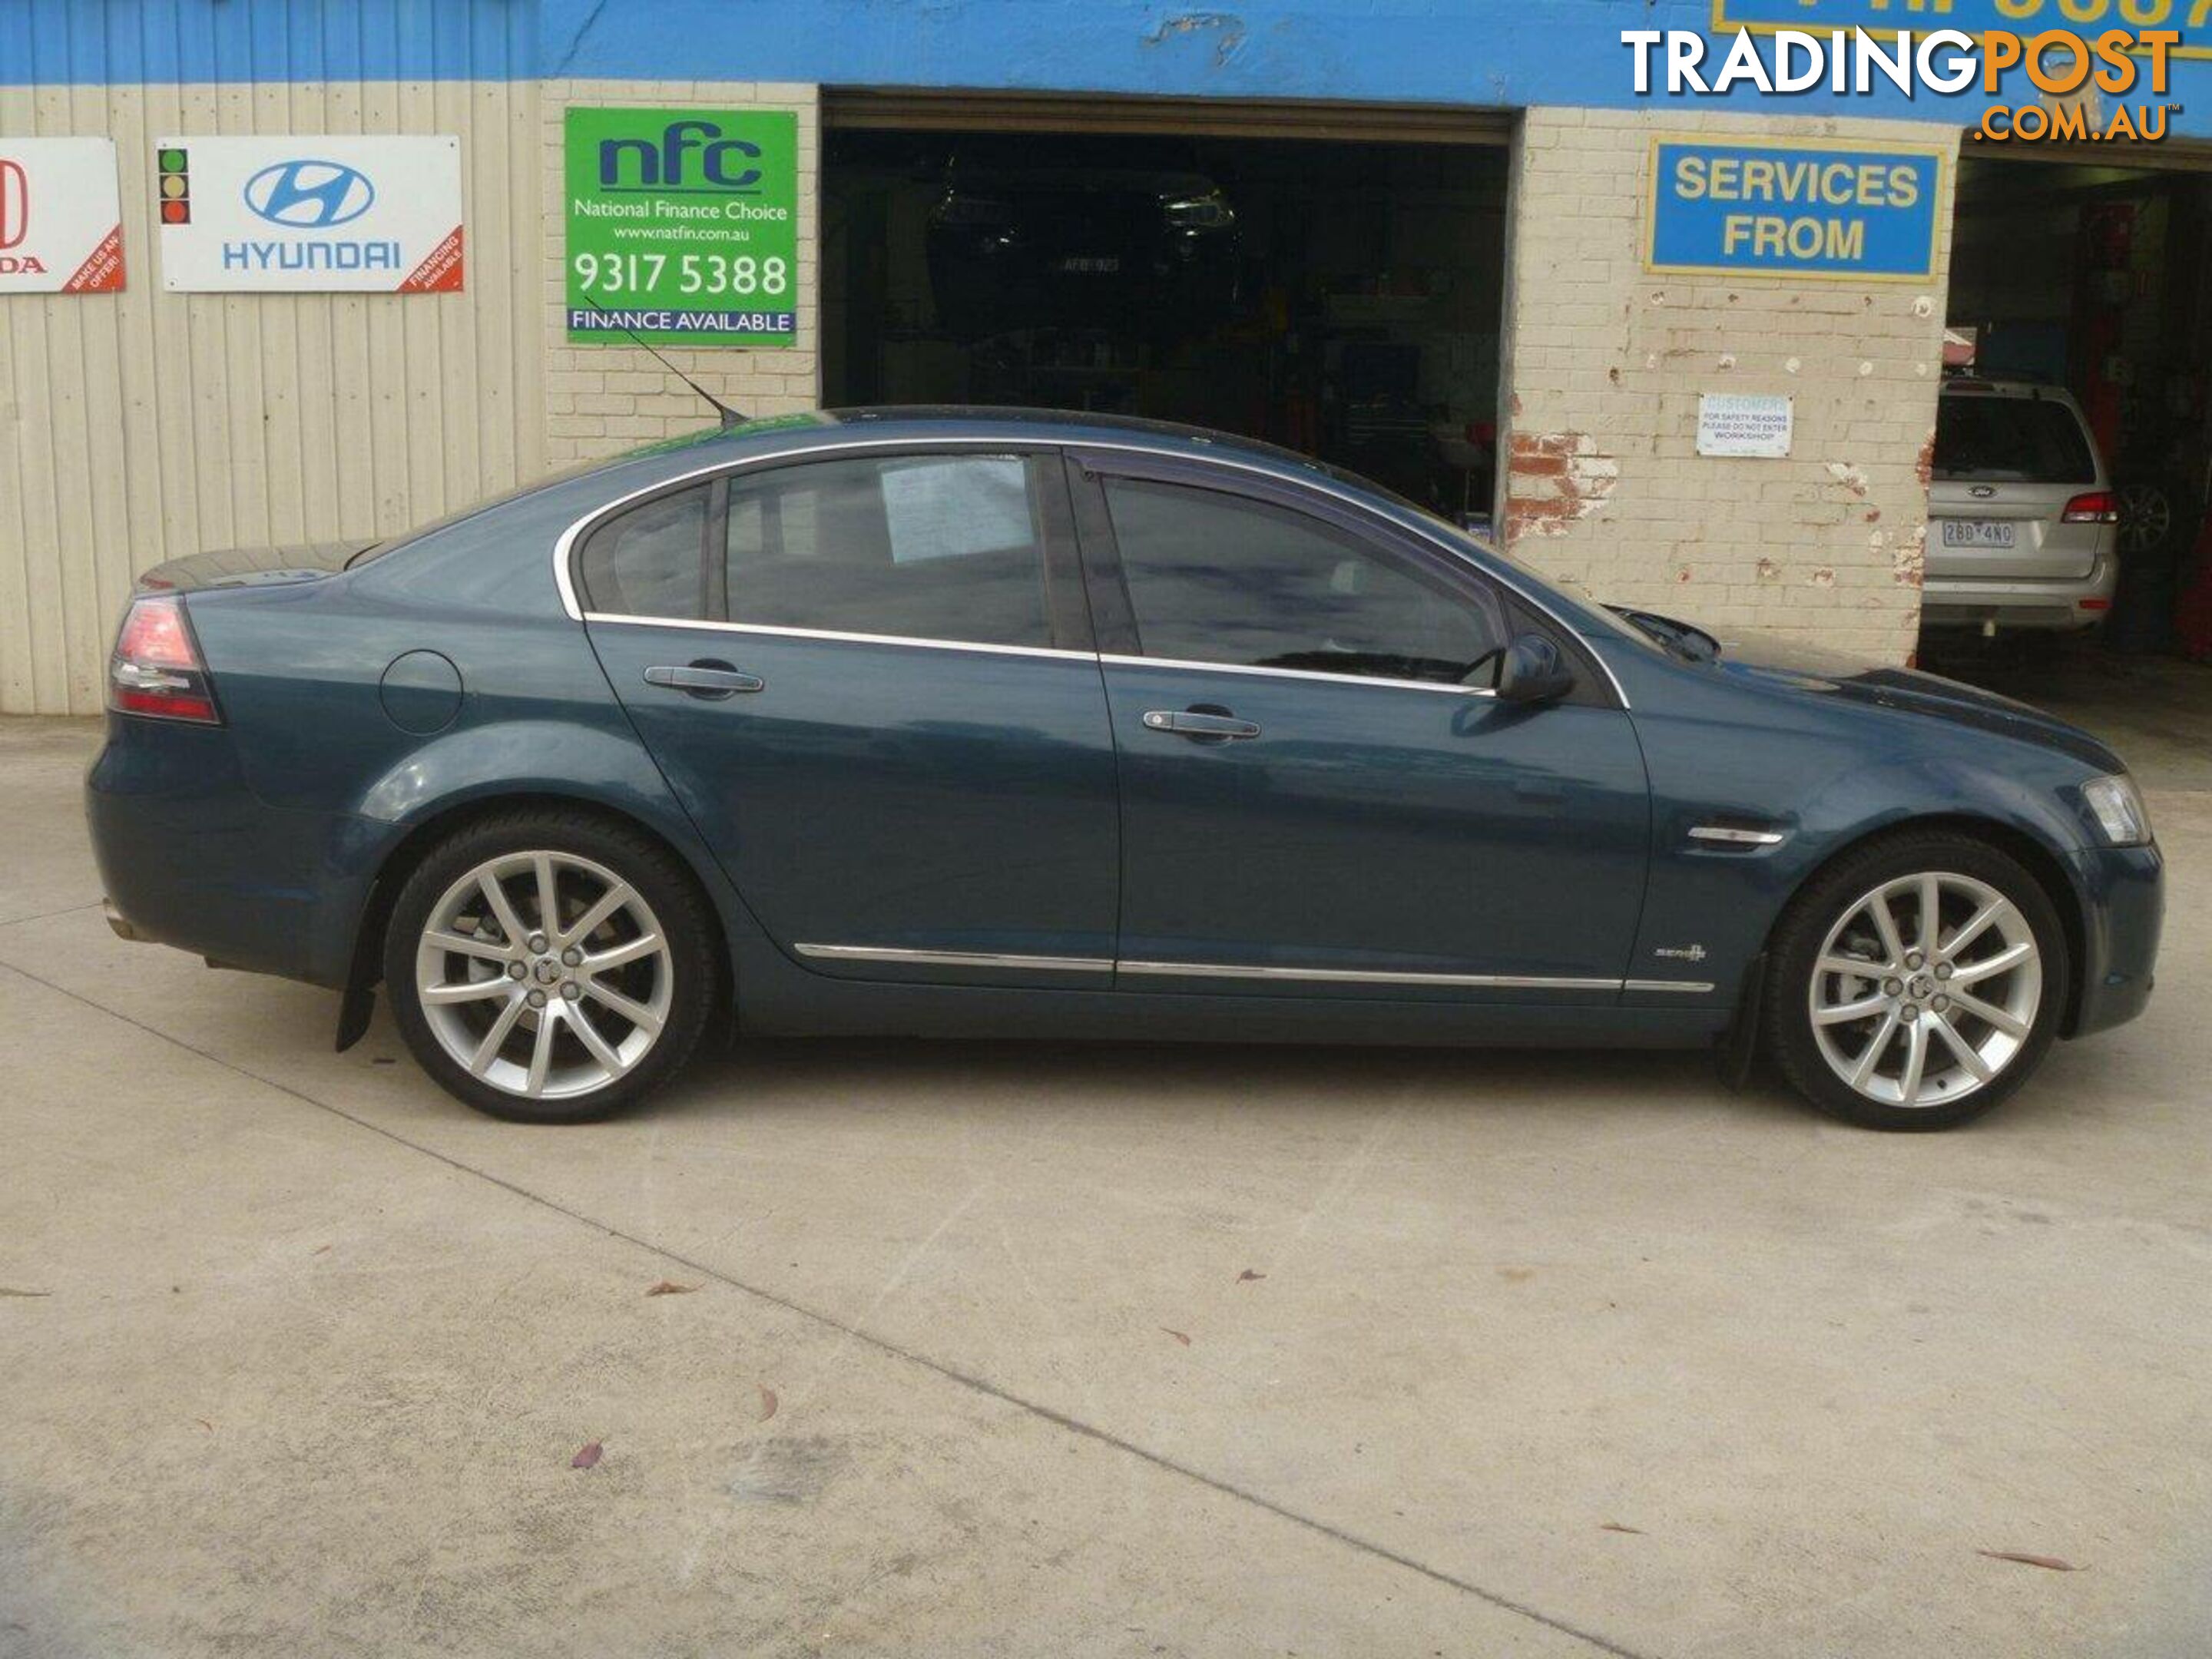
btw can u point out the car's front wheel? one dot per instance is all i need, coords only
(548, 968)
(1916, 982)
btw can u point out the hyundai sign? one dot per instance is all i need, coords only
(61, 221)
(1857, 212)
(311, 213)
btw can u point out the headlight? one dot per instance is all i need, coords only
(2118, 810)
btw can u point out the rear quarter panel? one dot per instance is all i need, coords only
(313, 739)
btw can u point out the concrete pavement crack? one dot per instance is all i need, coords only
(951, 1373)
(48, 915)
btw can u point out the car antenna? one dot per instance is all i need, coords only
(730, 417)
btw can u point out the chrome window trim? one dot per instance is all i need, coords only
(955, 958)
(565, 545)
(841, 638)
(1113, 661)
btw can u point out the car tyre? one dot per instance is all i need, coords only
(626, 977)
(1981, 1002)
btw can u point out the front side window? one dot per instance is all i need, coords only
(935, 547)
(1219, 579)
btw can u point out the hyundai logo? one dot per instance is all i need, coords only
(309, 194)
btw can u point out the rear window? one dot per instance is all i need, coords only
(2011, 440)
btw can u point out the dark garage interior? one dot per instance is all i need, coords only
(2093, 277)
(1342, 298)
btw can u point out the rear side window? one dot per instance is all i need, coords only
(649, 561)
(2010, 441)
(933, 547)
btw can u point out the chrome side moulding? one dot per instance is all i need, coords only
(1359, 976)
(891, 953)
(955, 958)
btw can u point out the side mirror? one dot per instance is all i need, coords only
(1533, 672)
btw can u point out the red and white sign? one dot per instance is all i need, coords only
(61, 220)
(346, 213)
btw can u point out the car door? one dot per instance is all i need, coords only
(1320, 791)
(869, 680)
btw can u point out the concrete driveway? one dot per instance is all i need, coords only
(984, 1350)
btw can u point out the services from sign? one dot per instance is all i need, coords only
(310, 213)
(1745, 423)
(61, 216)
(683, 227)
(1861, 213)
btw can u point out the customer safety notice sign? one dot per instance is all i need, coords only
(1784, 210)
(61, 221)
(310, 213)
(683, 227)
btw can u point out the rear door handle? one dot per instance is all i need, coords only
(711, 680)
(1194, 723)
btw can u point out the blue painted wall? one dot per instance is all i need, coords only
(1485, 53)
(106, 42)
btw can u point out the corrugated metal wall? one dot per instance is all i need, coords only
(138, 425)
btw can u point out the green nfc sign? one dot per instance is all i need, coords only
(683, 227)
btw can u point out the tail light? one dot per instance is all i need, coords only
(156, 668)
(2098, 507)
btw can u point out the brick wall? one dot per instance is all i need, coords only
(1604, 362)
(602, 399)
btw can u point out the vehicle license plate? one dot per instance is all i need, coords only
(1977, 532)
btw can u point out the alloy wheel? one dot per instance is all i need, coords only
(2146, 518)
(544, 974)
(1925, 989)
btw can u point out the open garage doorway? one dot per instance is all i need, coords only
(1324, 277)
(2070, 272)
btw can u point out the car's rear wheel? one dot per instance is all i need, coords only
(1916, 982)
(550, 969)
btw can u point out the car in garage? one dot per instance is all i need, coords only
(1015, 245)
(993, 723)
(2023, 522)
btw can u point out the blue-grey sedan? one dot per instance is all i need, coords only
(997, 724)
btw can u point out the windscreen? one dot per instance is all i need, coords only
(2011, 440)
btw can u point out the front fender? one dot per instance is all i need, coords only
(1715, 904)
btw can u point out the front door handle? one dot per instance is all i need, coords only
(710, 680)
(1200, 723)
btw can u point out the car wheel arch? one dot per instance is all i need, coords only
(2033, 853)
(441, 822)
